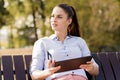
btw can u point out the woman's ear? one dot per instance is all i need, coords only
(70, 21)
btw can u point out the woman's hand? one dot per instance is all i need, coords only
(41, 75)
(51, 69)
(90, 67)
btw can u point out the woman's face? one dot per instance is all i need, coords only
(59, 20)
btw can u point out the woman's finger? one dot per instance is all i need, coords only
(54, 69)
(51, 63)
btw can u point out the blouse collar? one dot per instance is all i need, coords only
(53, 36)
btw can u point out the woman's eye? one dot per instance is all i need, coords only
(59, 17)
(52, 16)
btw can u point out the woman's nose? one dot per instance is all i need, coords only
(53, 19)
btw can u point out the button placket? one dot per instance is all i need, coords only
(65, 50)
(67, 55)
(72, 72)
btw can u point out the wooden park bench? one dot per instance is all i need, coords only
(16, 67)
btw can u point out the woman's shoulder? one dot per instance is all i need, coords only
(42, 39)
(45, 40)
(77, 38)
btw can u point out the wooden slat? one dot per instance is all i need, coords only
(109, 66)
(0, 71)
(28, 61)
(89, 76)
(106, 66)
(19, 67)
(100, 76)
(0, 75)
(7, 68)
(118, 54)
(115, 65)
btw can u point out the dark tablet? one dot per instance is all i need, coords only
(72, 64)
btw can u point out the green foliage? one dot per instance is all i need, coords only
(25, 37)
(2, 12)
(103, 21)
(99, 21)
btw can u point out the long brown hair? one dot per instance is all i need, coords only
(73, 28)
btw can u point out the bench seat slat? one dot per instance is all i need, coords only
(115, 65)
(28, 59)
(100, 76)
(19, 67)
(106, 66)
(0, 73)
(7, 68)
(118, 54)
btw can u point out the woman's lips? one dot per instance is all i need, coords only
(54, 25)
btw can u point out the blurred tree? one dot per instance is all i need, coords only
(104, 21)
(99, 21)
(2, 9)
(3, 13)
(30, 19)
(21, 11)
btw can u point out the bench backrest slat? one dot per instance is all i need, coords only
(7, 68)
(0, 72)
(28, 59)
(118, 54)
(19, 67)
(115, 65)
(106, 66)
(100, 76)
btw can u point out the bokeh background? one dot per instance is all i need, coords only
(22, 22)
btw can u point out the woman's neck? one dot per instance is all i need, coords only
(61, 36)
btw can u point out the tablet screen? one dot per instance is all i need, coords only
(72, 64)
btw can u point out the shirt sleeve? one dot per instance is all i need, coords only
(38, 56)
(84, 48)
(86, 51)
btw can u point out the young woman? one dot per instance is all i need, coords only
(64, 44)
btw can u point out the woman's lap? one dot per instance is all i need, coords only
(70, 77)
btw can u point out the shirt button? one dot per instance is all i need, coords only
(67, 55)
(64, 47)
